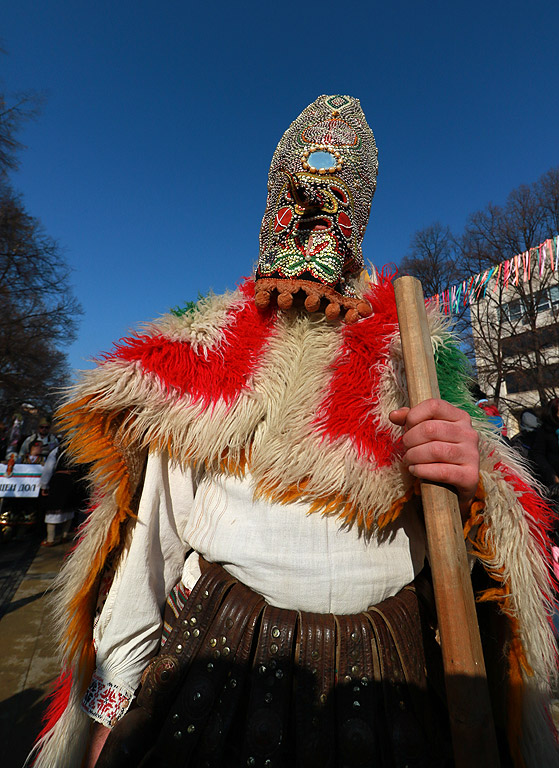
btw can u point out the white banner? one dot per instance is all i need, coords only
(23, 482)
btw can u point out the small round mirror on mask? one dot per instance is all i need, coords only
(320, 159)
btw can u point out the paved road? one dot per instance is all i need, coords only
(28, 662)
(15, 558)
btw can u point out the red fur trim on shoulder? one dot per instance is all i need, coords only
(348, 408)
(247, 287)
(209, 374)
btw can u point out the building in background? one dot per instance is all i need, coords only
(515, 329)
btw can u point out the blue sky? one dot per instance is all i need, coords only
(149, 161)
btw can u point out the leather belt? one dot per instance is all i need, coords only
(314, 680)
(242, 683)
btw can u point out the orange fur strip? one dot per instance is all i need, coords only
(483, 549)
(476, 508)
(232, 467)
(397, 506)
(95, 438)
(338, 505)
(493, 595)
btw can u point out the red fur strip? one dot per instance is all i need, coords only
(59, 697)
(207, 375)
(532, 502)
(347, 410)
(539, 516)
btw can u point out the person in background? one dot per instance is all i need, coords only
(545, 460)
(48, 440)
(35, 454)
(57, 485)
(545, 452)
(490, 409)
(3, 441)
(27, 510)
(523, 441)
(15, 437)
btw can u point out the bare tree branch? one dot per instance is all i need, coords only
(514, 332)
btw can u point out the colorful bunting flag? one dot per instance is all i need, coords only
(511, 270)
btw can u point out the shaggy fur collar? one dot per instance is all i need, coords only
(303, 403)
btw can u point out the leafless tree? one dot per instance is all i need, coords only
(38, 311)
(547, 192)
(434, 257)
(514, 322)
(514, 332)
(14, 111)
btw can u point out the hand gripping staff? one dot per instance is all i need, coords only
(469, 708)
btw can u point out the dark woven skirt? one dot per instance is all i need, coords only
(241, 683)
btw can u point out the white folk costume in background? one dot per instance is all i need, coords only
(252, 431)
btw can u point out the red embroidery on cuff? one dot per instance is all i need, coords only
(105, 702)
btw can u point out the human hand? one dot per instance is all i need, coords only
(441, 446)
(98, 737)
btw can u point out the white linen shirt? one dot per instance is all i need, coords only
(295, 560)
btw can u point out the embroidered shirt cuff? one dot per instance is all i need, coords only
(106, 702)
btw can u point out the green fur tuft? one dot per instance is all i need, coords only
(454, 372)
(188, 307)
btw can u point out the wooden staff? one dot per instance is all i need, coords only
(469, 707)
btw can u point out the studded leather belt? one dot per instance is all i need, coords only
(242, 683)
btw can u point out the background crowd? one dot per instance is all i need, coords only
(62, 490)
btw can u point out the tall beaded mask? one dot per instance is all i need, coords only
(320, 189)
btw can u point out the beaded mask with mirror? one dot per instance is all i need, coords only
(320, 188)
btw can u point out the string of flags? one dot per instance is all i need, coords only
(508, 272)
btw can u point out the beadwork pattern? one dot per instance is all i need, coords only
(316, 217)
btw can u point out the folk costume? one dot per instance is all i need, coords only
(243, 464)
(48, 441)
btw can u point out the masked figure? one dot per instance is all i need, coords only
(320, 188)
(252, 585)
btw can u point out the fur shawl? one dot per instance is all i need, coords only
(303, 403)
